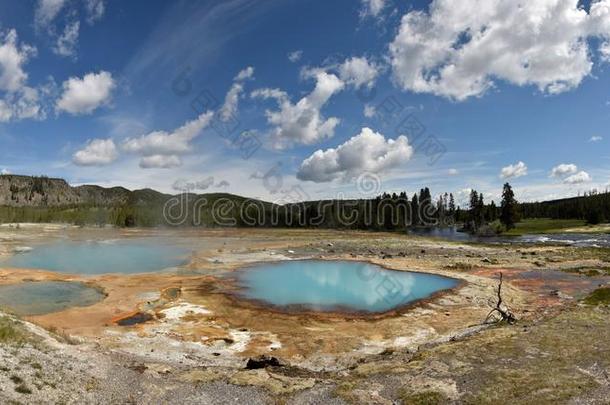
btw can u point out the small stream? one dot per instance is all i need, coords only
(571, 239)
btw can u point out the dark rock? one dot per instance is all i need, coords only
(138, 317)
(262, 362)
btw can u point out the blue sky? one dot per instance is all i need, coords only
(286, 99)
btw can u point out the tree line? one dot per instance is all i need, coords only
(386, 212)
(593, 207)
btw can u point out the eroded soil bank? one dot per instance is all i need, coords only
(195, 339)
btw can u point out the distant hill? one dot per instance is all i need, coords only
(29, 191)
(44, 199)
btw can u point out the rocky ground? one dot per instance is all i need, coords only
(564, 359)
(193, 351)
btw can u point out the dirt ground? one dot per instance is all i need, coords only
(198, 338)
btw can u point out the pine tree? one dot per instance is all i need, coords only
(452, 211)
(480, 211)
(474, 209)
(415, 210)
(493, 212)
(508, 215)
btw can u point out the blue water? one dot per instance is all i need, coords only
(125, 256)
(337, 285)
(37, 298)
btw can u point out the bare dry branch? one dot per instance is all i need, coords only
(505, 314)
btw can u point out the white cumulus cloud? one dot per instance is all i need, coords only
(563, 170)
(372, 7)
(66, 42)
(95, 10)
(98, 152)
(302, 122)
(231, 103)
(368, 151)
(244, 74)
(519, 169)
(17, 99)
(358, 72)
(578, 178)
(229, 108)
(184, 185)
(160, 162)
(12, 58)
(83, 96)
(459, 49)
(295, 56)
(369, 111)
(47, 10)
(596, 138)
(163, 149)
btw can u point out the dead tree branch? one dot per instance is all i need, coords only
(505, 314)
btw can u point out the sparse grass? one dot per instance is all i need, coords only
(601, 296)
(542, 387)
(423, 398)
(544, 225)
(345, 391)
(16, 379)
(62, 336)
(460, 266)
(575, 253)
(23, 389)
(11, 332)
(91, 385)
(531, 364)
(589, 271)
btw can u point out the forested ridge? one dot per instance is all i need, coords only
(41, 199)
(594, 207)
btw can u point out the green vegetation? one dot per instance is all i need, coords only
(44, 200)
(589, 271)
(423, 398)
(535, 363)
(601, 296)
(509, 208)
(145, 209)
(593, 207)
(23, 389)
(16, 379)
(544, 225)
(11, 332)
(20, 386)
